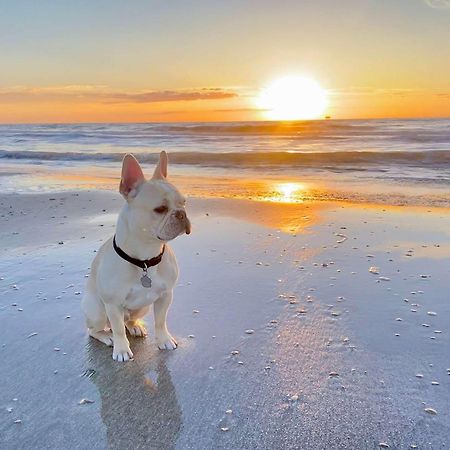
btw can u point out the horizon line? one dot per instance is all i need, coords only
(330, 119)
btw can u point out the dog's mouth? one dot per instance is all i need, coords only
(172, 229)
(187, 231)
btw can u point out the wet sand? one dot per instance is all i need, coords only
(286, 339)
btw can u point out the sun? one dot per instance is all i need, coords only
(293, 98)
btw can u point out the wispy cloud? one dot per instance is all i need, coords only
(438, 4)
(102, 94)
(170, 96)
(394, 92)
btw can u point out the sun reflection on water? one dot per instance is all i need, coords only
(287, 193)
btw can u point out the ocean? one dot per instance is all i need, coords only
(393, 161)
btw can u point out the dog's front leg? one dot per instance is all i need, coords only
(164, 339)
(121, 349)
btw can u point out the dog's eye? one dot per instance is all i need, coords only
(161, 209)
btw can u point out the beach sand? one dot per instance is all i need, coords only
(286, 340)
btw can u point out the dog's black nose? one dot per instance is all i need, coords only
(180, 215)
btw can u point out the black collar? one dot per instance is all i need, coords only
(138, 262)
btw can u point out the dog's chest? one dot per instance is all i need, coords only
(140, 296)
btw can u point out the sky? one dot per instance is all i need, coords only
(209, 60)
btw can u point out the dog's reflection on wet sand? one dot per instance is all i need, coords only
(139, 406)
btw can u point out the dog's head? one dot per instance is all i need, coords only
(155, 207)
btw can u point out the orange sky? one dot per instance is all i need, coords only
(76, 104)
(112, 62)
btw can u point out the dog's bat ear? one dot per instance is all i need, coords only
(161, 169)
(132, 176)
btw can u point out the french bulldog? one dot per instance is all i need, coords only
(137, 268)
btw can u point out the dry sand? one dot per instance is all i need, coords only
(286, 339)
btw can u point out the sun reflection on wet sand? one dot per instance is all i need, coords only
(287, 193)
(292, 218)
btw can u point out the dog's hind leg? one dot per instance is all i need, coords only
(96, 319)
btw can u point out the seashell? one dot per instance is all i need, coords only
(249, 331)
(85, 401)
(430, 411)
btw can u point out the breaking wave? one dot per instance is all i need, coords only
(425, 159)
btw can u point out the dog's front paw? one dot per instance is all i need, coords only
(166, 341)
(122, 352)
(136, 328)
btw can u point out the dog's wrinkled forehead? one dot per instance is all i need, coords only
(156, 193)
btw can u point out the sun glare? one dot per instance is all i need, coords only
(287, 193)
(293, 98)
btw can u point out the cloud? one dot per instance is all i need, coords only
(240, 110)
(393, 92)
(170, 96)
(102, 94)
(438, 4)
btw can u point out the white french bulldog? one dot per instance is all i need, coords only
(136, 268)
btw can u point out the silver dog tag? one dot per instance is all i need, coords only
(146, 281)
